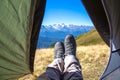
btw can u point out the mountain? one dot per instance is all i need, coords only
(50, 34)
(89, 38)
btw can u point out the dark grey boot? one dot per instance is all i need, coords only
(59, 50)
(70, 45)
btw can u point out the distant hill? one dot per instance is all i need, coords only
(90, 38)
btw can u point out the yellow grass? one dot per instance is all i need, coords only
(42, 59)
(92, 58)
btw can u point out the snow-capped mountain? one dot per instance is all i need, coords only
(50, 34)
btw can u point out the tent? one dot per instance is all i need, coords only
(20, 22)
(105, 15)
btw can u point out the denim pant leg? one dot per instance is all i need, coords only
(72, 69)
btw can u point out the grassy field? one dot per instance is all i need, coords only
(91, 51)
(92, 58)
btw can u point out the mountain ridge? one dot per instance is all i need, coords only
(50, 34)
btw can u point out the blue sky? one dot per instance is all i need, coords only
(65, 11)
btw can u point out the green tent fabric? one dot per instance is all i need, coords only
(20, 22)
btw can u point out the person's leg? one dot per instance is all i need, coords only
(55, 69)
(72, 68)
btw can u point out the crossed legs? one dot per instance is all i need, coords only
(65, 65)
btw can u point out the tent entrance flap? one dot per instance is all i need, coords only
(20, 22)
(105, 15)
(112, 70)
(13, 38)
(98, 16)
(113, 15)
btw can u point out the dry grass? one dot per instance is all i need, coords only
(42, 59)
(92, 58)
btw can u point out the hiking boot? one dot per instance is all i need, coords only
(59, 50)
(70, 45)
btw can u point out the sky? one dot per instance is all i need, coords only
(67, 12)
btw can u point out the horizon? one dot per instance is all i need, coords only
(67, 12)
(67, 24)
